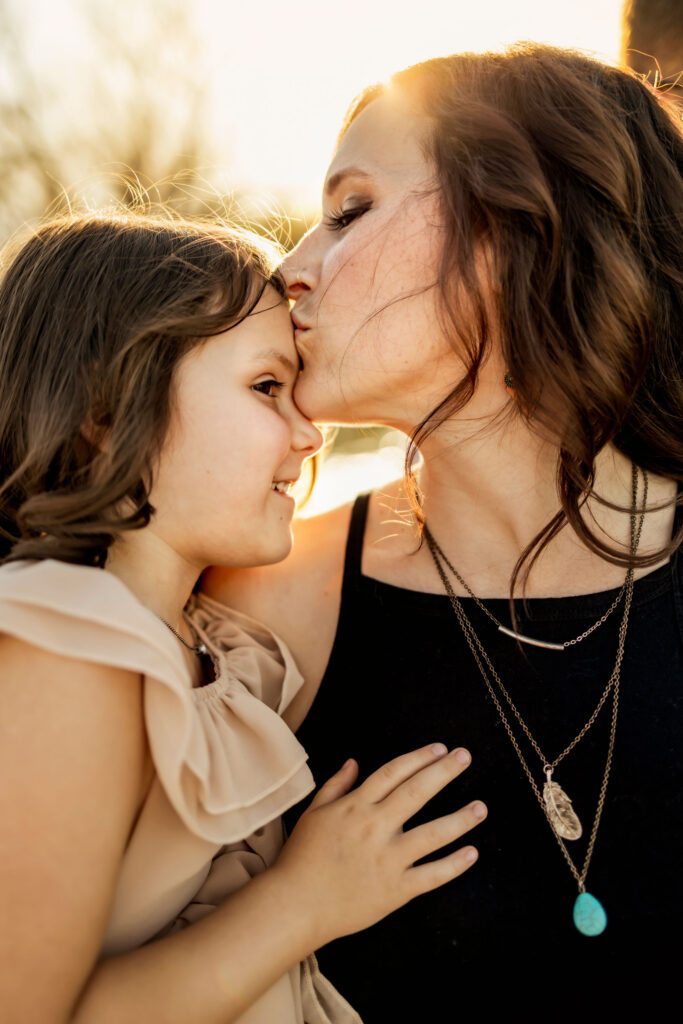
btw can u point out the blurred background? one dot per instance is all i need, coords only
(232, 108)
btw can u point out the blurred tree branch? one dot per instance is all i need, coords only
(127, 112)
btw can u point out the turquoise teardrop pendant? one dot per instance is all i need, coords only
(589, 914)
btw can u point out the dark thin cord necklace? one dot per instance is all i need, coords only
(197, 649)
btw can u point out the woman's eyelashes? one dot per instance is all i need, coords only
(270, 388)
(337, 220)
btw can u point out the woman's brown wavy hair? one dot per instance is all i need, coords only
(95, 314)
(568, 173)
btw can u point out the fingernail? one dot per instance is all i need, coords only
(479, 810)
(462, 756)
(470, 855)
(439, 748)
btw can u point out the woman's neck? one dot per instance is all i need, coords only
(503, 484)
(488, 494)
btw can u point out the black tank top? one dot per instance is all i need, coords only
(401, 675)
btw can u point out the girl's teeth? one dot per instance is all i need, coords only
(283, 486)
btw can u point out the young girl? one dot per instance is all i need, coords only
(147, 429)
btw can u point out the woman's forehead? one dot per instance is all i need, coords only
(385, 139)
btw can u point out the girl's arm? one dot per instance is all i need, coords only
(74, 759)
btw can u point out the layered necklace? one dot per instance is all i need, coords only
(589, 914)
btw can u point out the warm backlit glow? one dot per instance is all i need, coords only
(278, 79)
(284, 74)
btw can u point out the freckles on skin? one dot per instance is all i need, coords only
(376, 341)
(378, 334)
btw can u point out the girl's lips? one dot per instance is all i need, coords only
(282, 494)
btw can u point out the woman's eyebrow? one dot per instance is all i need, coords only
(346, 172)
(269, 354)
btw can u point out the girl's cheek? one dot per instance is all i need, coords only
(279, 431)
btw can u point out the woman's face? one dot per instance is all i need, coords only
(235, 433)
(365, 280)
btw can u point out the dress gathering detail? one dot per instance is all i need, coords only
(226, 766)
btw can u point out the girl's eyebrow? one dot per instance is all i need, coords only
(283, 360)
(346, 172)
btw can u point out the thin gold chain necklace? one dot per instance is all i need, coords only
(589, 915)
(533, 641)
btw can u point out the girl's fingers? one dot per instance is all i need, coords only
(438, 872)
(338, 785)
(412, 794)
(392, 774)
(425, 839)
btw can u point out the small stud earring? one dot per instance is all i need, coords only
(509, 381)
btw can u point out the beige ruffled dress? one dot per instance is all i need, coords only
(226, 765)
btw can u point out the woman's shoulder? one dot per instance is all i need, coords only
(274, 593)
(298, 598)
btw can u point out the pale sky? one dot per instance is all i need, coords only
(280, 76)
(283, 74)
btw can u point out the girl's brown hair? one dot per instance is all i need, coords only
(95, 313)
(569, 174)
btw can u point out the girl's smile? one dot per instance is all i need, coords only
(237, 443)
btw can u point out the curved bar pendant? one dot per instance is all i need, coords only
(530, 640)
(589, 914)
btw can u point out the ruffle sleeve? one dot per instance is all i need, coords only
(225, 759)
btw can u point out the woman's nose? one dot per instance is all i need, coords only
(297, 281)
(298, 271)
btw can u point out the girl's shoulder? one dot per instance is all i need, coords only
(225, 758)
(82, 612)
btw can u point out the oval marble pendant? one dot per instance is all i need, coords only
(589, 914)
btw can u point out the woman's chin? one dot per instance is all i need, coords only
(311, 394)
(322, 402)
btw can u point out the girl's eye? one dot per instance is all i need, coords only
(269, 388)
(340, 219)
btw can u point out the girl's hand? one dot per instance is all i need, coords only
(349, 860)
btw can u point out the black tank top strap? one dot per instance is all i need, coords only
(354, 542)
(677, 564)
(678, 517)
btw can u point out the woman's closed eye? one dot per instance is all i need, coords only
(270, 388)
(340, 219)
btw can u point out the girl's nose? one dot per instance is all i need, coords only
(306, 438)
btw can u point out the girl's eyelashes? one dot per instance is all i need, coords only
(267, 387)
(337, 220)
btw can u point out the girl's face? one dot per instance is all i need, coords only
(235, 434)
(365, 280)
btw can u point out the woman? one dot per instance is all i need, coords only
(147, 430)
(498, 275)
